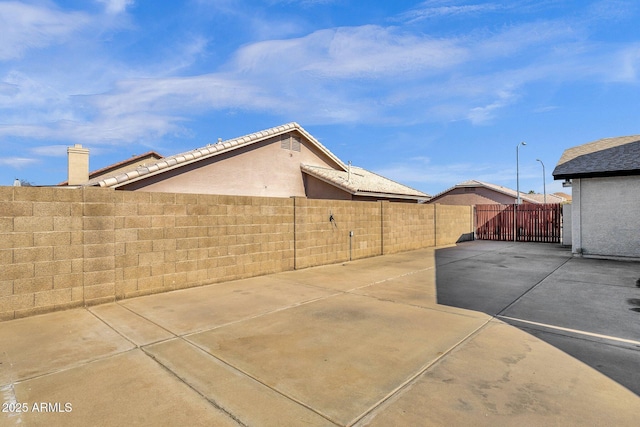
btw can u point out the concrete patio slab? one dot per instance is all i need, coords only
(349, 275)
(124, 390)
(609, 357)
(414, 289)
(236, 393)
(587, 307)
(602, 307)
(340, 355)
(605, 272)
(42, 344)
(505, 377)
(197, 309)
(362, 342)
(131, 325)
(472, 287)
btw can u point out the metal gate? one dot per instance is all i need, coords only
(521, 223)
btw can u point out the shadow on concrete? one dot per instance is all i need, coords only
(583, 307)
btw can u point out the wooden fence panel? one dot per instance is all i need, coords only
(533, 223)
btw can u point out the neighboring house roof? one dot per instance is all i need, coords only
(133, 161)
(361, 182)
(605, 157)
(498, 188)
(211, 150)
(566, 196)
(551, 198)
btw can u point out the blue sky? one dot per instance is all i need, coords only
(428, 93)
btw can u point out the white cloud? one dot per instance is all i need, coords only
(26, 27)
(481, 115)
(115, 7)
(352, 52)
(430, 9)
(629, 65)
(50, 150)
(17, 162)
(368, 73)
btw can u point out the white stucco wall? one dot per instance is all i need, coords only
(606, 216)
(566, 225)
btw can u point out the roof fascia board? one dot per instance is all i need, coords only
(606, 174)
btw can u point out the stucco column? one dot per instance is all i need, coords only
(576, 223)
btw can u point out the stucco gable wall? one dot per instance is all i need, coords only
(260, 169)
(480, 196)
(318, 189)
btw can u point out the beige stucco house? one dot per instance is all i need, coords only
(605, 180)
(283, 161)
(475, 192)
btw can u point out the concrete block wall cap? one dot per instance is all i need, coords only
(120, 178)
(132, 174)
(153, 168)
(172, 162)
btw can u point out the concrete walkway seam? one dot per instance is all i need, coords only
(532, 288)
(258, 380)
(417, 375)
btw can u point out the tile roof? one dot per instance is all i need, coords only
(173, 162)
(604, 157)
(130, 161)
(566, 196)
(494, 187)
(551, 198)
(363, 182)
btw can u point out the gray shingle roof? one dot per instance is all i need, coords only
(363, 182)
(179, 160)
(605, 157)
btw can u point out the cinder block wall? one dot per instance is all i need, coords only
(41, 250)
(453, 224)
(168, 241)
(63, 248)
(407, 226)
(323, 227)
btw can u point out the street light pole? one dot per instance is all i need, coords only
(518, 170)
(544, 181)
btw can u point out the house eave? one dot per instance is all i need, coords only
(390, 196)
(599, 174)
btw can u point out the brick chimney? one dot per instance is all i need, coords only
(78, 165)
